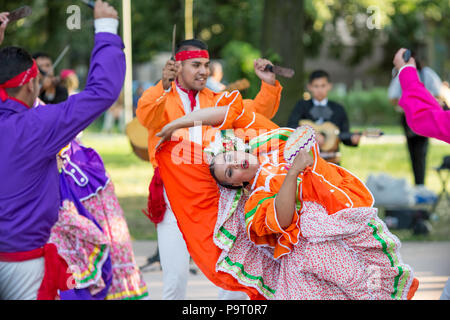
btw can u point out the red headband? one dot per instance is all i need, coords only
(184, 55)
(19, 80)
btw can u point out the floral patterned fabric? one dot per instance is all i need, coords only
(85, 248)
(348, 255)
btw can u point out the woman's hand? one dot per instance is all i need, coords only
(301, 161)
(166, 133)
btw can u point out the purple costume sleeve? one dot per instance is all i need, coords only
(60, 123)
(31, 138)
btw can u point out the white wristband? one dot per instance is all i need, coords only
(406, 65)
(110, 25)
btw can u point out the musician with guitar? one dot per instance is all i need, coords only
(328, 118)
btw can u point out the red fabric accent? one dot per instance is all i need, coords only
(191, 54)
(56, 269)
(19, 80)
(56, 274)
(191, 95)
(21, 256)
(156, 205)
(19, 101)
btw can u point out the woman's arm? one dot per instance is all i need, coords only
(285, 200)
(423, 113)
(204, 117)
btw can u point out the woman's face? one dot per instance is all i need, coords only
(235, 167)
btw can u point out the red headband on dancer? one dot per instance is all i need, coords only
(185, 55)
(19, 80)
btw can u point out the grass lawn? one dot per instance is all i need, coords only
(131, 177)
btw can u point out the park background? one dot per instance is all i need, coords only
(354, 40)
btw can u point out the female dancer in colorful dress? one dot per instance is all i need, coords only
(91, 233)
(282, 223)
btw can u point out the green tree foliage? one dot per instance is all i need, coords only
(215, 22)
(219, 22)
(46, 30)
(238, 57)
(367, 107)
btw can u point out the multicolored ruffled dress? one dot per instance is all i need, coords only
(335, 248)
(91, 233)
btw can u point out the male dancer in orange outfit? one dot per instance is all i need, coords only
(182, 90)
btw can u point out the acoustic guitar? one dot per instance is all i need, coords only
(138, 136)
(330, 132)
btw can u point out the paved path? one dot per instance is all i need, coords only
(429, 260)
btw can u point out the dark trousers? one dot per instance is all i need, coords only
(418, 148)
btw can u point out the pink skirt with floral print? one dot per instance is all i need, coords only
(347, 255)
(85, 248)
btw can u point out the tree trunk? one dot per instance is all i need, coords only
(283, 34)
(57, 32)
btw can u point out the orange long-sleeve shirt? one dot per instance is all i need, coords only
(158, 107)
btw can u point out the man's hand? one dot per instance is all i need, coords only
(170, 72)
(266, 76)
(399, 62)
(104, 10)
(4, 23)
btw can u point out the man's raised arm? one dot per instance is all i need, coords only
(61, 122)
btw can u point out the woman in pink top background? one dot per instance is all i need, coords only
(423, 113)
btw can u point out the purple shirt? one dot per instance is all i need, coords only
(31, 138)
